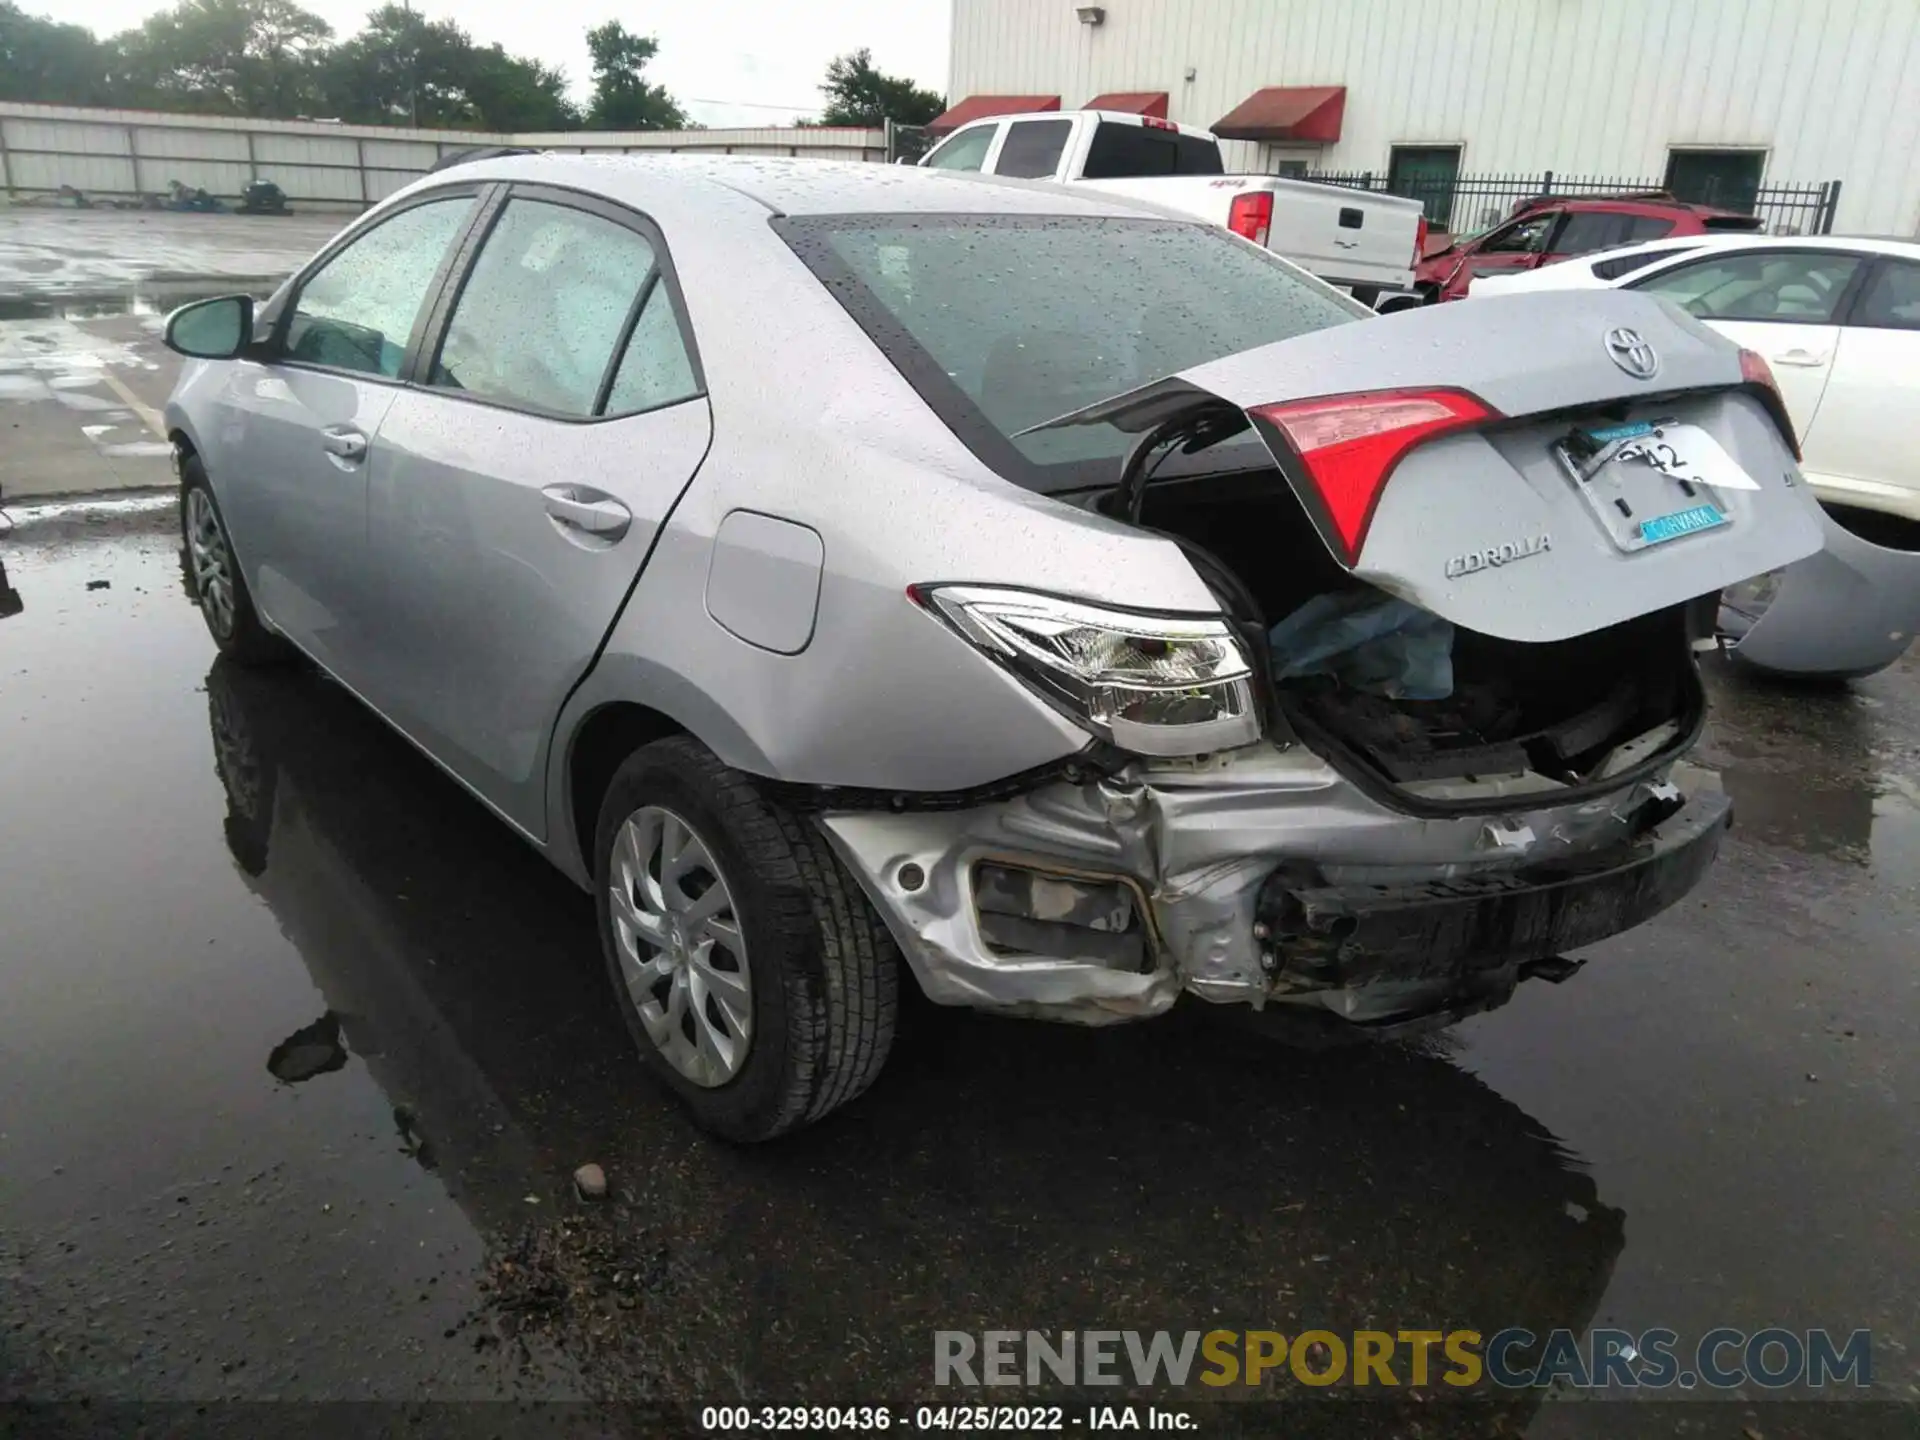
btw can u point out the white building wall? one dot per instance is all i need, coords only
(1590, 87)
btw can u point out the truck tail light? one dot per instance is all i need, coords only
(1251, 215)
(1755, 371)
(1350, 444)
(1420, 240)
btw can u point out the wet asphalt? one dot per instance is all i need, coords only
(299, 1049)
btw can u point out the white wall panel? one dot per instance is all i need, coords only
(163, 143)
(1578, 86)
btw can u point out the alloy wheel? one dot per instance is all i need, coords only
(681, 950)
(212, 562)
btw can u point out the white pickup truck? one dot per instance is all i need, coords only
(1366, 241)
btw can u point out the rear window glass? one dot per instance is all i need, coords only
(1001, 322)
(1032, 148)
(1118, 152)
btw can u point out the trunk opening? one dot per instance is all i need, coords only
(1517, 718)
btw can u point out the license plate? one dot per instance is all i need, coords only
(1647, 483)
(1681, 522)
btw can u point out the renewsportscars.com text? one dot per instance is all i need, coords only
(1514, 1358)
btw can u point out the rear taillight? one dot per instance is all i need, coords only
(1349, 445)
(1251, 215)
(1420, 241)
(1755, 371)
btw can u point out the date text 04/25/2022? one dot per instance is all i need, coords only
(1014, 1419)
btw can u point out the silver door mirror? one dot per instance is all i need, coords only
(216, 329)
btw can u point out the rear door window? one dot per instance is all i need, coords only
(1587, 231)
(1891, 300)
(1626, 264)
(1641, 228)
(1119, 152)
(358, 309)
(1798, 287)
(1032, 149)
(965, 151)
(543, 308)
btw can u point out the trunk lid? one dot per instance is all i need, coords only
(1488, 526)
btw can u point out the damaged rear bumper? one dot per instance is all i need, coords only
(1262, 878)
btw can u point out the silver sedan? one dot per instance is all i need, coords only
(849, 573)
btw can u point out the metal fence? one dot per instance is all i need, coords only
(907, 143)
(123, 156)
(1467, 204)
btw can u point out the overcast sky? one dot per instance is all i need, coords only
(723, 59)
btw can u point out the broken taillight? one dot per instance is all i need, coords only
(1251, 215)
(1349, 445)
(1755, 371)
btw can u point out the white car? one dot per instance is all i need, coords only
(1838, 319)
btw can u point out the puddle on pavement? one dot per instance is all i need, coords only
(1826, 771)
(364, 1032)
(149, 300)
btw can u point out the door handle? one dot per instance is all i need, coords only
(347, 443)
(1799, 357)
(587, 510)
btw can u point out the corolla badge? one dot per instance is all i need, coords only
(1495, 556)
(1633, 354)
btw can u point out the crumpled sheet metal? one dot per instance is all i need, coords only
(1199, 839)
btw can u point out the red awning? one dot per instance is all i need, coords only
(981, 107)
(1287, 112)
(1133, 102)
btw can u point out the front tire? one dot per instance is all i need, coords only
(757, 982)
(225, 602)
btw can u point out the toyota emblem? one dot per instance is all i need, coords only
(1633, 354)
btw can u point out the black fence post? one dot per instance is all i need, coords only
(1831, 207)
(1546, 183)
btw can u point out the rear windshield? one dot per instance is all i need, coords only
(1120, 152)
(1001, 322)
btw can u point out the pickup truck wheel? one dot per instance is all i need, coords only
(755, 979)
(225, 602)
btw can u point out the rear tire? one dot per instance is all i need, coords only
(218, 586)
(800, 956)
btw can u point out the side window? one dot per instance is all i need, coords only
(964, 151)
(1587, 231)
(655, 369)
(1641, 228)
(543, 307)
(356, 311)
(1892, 298)
(1032, 149)
(1796, 287)
(1524, 237)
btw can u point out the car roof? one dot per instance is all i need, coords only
(789, 186)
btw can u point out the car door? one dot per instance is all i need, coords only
(517, 487)
(1517, 246)
(1782, 304)
(299, 426)
(1861, 446)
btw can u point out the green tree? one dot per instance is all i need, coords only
(50, 63)
(511, 93)
(623, 98)
(233, 57)
(858, 94)
(404, 69)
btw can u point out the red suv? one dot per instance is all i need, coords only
(1545, 228)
